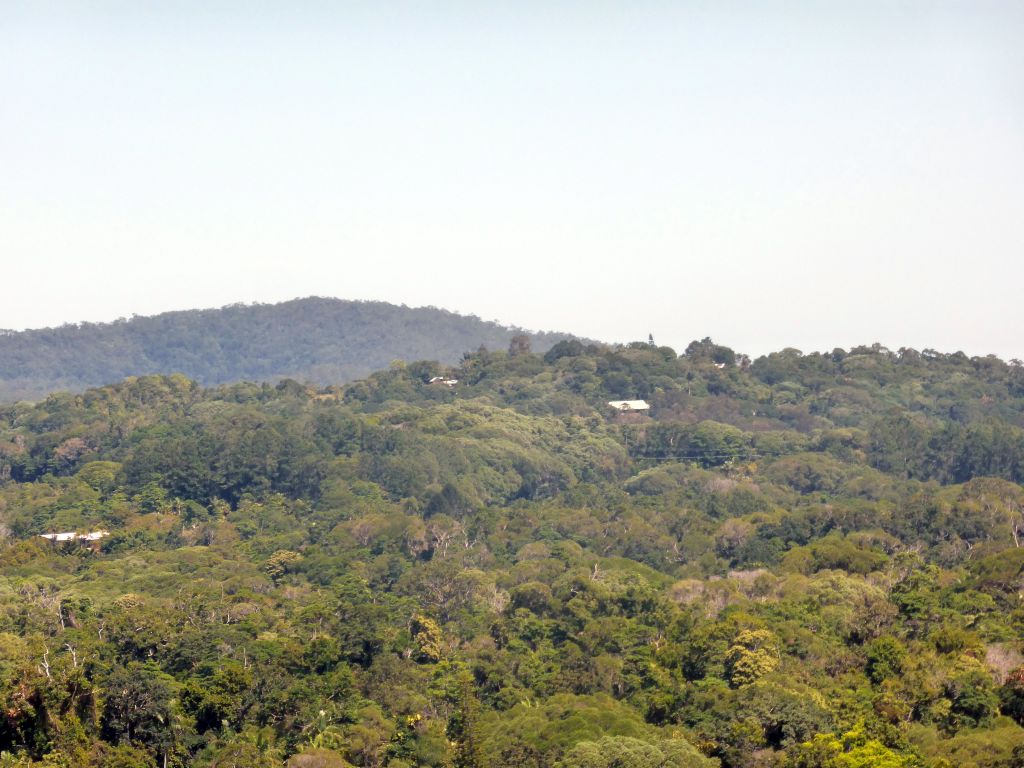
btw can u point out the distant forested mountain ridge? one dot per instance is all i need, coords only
(313, 339)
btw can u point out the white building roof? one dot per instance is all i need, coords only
(72, 536)
(629, 405)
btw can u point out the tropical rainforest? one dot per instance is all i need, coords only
(799, 561)
(319, 340)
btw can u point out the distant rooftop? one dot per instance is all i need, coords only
(73, 536)
(629, 405)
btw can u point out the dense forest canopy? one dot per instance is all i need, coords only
(319, 340)
(801, 561)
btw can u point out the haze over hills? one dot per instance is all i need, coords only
(320, 340)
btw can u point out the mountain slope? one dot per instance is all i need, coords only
(801, 561)
(313, 339)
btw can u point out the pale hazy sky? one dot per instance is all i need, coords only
(808, 174)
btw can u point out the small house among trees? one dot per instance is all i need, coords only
(72, 536)
(629, 406)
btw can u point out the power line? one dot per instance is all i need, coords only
(759, 455)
